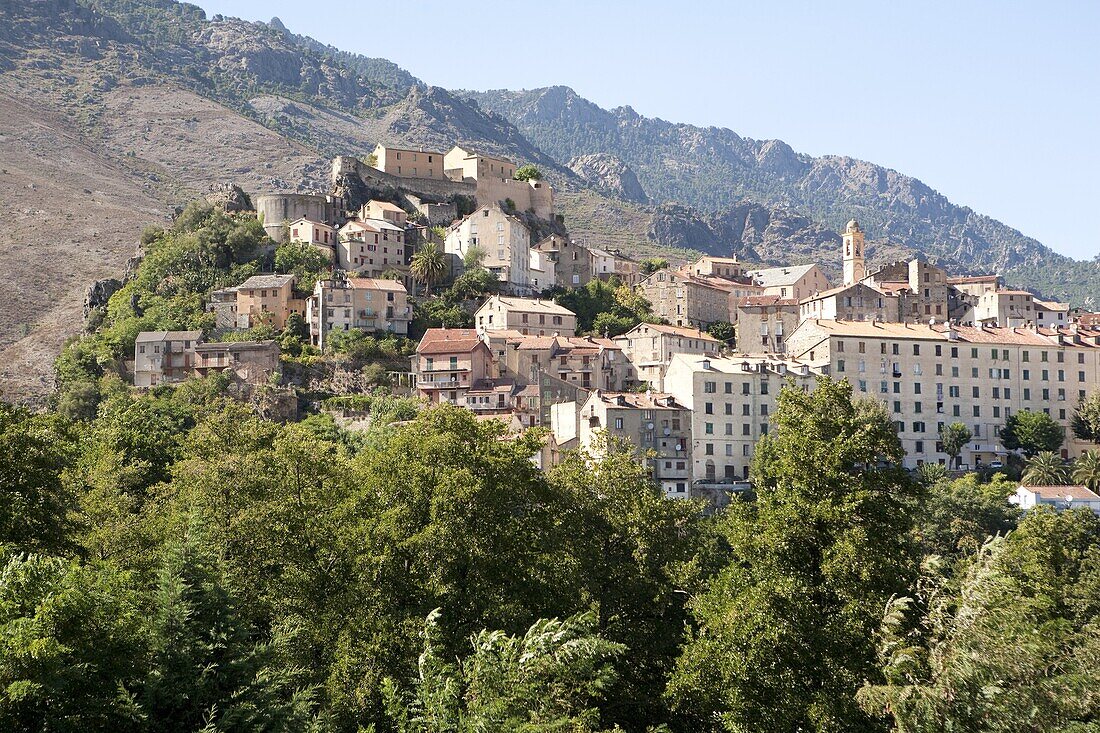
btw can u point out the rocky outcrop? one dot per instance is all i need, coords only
(610, 175)
(98, 293)
(229, 197)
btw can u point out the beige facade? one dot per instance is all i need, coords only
(504, 239)
(608, 264)
(572, 261)
(316, 233)
(921, 290)
(543, 271)
(495, 181)
(1005, 308)
(732, 401)
(656, 424)
(933, 375)
(252, 362)
(727, 267)
(764, 322)
(357, 303)
(409, 163)
(164, 357)
(684, 299)
(796, 281)
(649, 348)
(853, 254)
(449, 362)
(975, 285)
(858, 302)
(372, 247)
(582, 362)
(384, 211)
(268, 299)
(529, 316)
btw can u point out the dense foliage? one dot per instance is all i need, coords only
(606, 308)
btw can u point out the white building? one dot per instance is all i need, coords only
(1058, 497)
(528, 316)
(503, 238)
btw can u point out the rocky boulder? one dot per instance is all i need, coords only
(610, 175)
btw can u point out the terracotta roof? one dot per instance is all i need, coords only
(1061, 492)
(386, 206)
(674, 331)
(376, 283)
(892, 287)
(359, 224)
(939, 332)
(314, 222)
(530, 305)
(537, 343)
(1052, 305)
(1008, 292)
(448, 341)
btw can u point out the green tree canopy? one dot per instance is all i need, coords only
(1032, 432)
(527, 173)
(954, 438)
(1045, 469)
(785, 632)
(722, 330)
(1086, 418)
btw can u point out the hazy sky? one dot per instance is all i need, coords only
(994, 104)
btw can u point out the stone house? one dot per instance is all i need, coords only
(449, 362)
(684, 299)
(533, 316)
(572, 260)
(372, 247)
(649, 347)
(361, 303)
(764, 322)
(316, 233)
(164, 357)
(495, 181)
(252, 362)
(409, 163)
(267, 299)
(858, 302)
(796, 281)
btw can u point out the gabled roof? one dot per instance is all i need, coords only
(266, 281)
(376, 283)
(386, 206)
(314, 222)
(146, 337)
(1061, 492)
(681, 331)
(638, 400)
(773, 277)
(766, 300)
(449, 341)
(530, 305)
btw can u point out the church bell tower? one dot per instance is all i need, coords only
(854, 270)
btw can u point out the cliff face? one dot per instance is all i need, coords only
(610, 175)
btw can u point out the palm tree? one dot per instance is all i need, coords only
(1046, 469)
(428, 265)
(1086, 469)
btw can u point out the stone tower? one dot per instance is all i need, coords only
(854, 270)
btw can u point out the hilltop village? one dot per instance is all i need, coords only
(521, 323)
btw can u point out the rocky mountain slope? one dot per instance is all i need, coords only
(715, 169)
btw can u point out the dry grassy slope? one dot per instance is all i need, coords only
(74, 198)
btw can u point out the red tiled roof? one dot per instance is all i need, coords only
(449, 341)
(1061, 492)
(759, 300)
(678, 331)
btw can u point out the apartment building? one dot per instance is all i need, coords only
(796, 281)
(649, 347)
(764, 321)
(528, 316)
(582, 361)
(164, 357)
(656, 424)
(689, 300)
(572, 260)
(361, 303)
(372, 247)
(268, 299)
(732, 401)
(252, 362)
(503, 238)
(931, 375)
(408, 163)
(1005, 308)
(449, 362)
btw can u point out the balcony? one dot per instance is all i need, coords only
(447, 368)
(445, 384)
